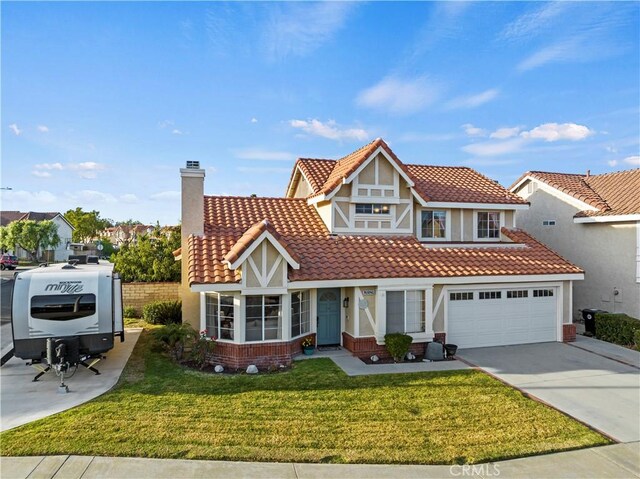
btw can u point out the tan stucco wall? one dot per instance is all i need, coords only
(455, 225)
(192, 222)
(324, 210)
(350, 314)
(468, 225)
(303, 189)
(365, 325)
(252, 281)
(607, 253)
(367, 175)
(385, 171)
(438, 322)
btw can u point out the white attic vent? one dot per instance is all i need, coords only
(193, 165)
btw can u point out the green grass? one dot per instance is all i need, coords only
(313, 413)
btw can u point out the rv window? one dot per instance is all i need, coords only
(63, 307)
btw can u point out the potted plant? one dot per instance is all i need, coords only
(307, 345)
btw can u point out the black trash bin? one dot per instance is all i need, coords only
(589, 316)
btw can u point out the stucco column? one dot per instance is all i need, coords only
(192, 222)
(428, 310)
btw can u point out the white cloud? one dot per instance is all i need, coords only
(532, 23)
(166, 196)
(491, 148)
(14, 128)
(43, 128)
(612, 163)
(262, 154)
(49, 166)
(400, 96)
(27, 200)
(254, 120)
(175, 131)
(91, 196)
(632, 160)
(87, 170)
(300, 28)
(504, 133)
(471, 130)
(165, 124)
(128, 198)
(554, 132)
(473, 101)
(564, 50)
(41, 174)
(329, 130)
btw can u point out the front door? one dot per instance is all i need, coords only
(328, 316)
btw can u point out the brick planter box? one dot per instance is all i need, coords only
(263, 355)
(568, 333)
(364, 348)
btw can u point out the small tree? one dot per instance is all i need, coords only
(31, 236)
(87, 224)
(150, 258)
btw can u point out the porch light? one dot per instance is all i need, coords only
(345, 303)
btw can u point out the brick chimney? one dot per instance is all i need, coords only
(192, 219)
(588, 173)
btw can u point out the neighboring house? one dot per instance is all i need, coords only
(124, 234)
(594, 222)
(65, 230)
(361, 247)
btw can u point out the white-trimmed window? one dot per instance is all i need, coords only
(300, 316)
(372, 209)
(461, 296)
(263, 316)
(219, 316)
(548, 222)
(542, 293)
(405, 311)
(517, 293)
(490, 295)
(433, 224)
(488, 224)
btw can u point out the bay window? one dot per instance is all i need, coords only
(300, 316)
(263, 316)
(405, 312)
(219, 316)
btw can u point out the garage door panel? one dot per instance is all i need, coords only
(494, 322)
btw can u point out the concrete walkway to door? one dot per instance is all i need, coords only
(599, 391)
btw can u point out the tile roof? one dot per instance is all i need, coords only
(325, 257)
(7, 217)
(458, 184)
(251, 235)
(611, 193)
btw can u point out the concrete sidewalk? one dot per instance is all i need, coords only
(23, 401)
(608, 350)
(617, 461)
(352, 366)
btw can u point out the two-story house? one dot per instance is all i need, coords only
(363, 246)
(594, 221)
(65, 232)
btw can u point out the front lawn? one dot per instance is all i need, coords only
(313, 413)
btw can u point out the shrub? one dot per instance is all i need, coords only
(636, 339)
(201, 348)
(617, 328)
(163, 312)
(398, 345)
(130, 312)
(175, 336)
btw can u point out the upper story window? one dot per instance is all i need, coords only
(488, 224)
(372, 209)
(433, 224)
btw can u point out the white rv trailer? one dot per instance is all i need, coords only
(66, 301)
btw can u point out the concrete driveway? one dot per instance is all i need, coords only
(594, 389)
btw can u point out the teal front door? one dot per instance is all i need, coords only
(328, 316)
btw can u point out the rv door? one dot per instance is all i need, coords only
(118, 321)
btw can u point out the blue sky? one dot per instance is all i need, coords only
(102, 103)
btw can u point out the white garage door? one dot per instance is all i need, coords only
(496, 317)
